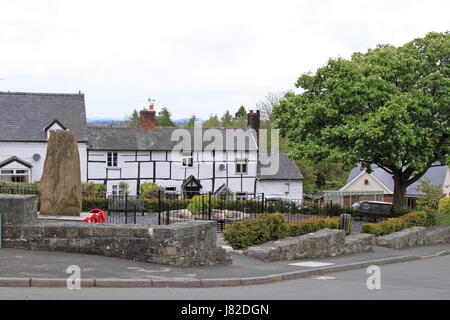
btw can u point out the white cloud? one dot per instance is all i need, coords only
(192, 56)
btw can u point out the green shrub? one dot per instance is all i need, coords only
(151, 205)
(150, 190)
(430, 195)
(93, 189)
(19, 188)
(282, 206)
(414, 219)
(267, 227)
(247, 206)
(334, 210)
(90, 203)
(444, 206)
(124, 187)
(300, 228)
(398, 212)
(200, 204)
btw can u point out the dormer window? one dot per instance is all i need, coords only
(55, 125)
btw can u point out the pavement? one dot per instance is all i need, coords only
(23, 268)
(413, 280)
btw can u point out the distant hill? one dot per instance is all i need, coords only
(107, 122)
(183, 122)
(123, 123)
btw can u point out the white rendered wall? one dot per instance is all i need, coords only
(26, 150)
(169, 170)
(281, 188)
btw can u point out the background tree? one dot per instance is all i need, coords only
(266, 106)
(388, 107)
(134, 120)
(191, 122)
(164, 118)
(227, 120)
(241, 113)
(213, 121)
(429, 195)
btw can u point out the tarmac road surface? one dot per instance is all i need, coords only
(420, 279)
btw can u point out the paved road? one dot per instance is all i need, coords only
(37, 264)
(423, 279)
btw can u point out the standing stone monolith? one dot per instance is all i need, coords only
(60, 186)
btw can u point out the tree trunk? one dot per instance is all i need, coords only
(399, 189)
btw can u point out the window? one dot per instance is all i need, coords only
(115, 189)
(241, 196)
(112, 159)
(242, 166)
(366, 182)
(12, 175)
(188, 160)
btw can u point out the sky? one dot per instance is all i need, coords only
(193, 57)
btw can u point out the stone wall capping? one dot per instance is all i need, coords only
(416, 236)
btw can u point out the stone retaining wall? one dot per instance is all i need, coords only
(416, 236)
(187, 244)
(324, 243)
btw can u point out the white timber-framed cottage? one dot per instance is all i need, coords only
(230, 165)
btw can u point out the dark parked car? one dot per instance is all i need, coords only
(372, 210)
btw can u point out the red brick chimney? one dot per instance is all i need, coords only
(254, 122)
(148, 119)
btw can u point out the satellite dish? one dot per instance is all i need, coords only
(36, 157)
(222, 167)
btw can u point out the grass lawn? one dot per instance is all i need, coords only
(443, 218)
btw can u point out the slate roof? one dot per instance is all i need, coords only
(288, 169)
(160, 139)
(435, 174)
(23, 116)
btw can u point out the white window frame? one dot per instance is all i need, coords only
(112, 162)
(187, 160)
(14, 173)
(241, 196)
(240, 163)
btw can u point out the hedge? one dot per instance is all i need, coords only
(300, 228)
(254, 206)
(267, 227)
(201, 203)
(414, 219)
(247, 206)
(270, 227)
(444, 205)
(90, 203)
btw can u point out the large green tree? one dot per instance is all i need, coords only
(388, 107)
(164, 118)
